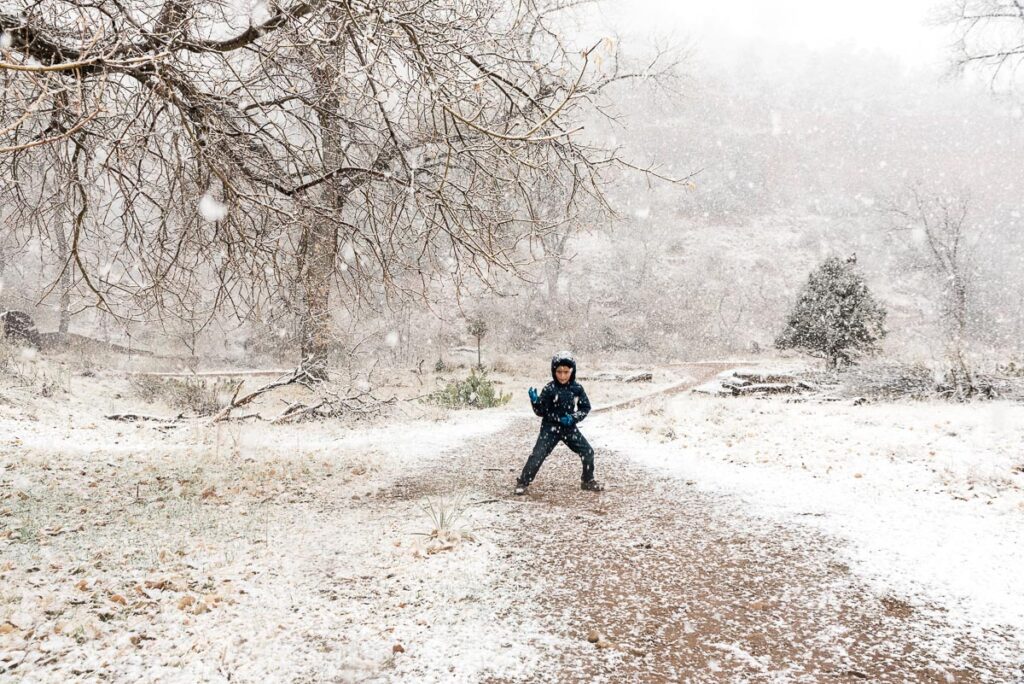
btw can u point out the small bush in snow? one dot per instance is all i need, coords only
(191, 394)
(836, 317)
(503, 365)
(476, 391)
(1013, 369)
(891, 381)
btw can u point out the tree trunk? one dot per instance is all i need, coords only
(318, 247)
(554, 253)
(64, 263)
(963, 378)
(318, 251)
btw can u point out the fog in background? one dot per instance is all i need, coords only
(790, 132)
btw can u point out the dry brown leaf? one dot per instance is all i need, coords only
(209, 492)
(398, 648)
(83, 585)
(7, 628)
(186, 601)
(117, 598)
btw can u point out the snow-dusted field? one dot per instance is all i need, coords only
(251, 553)
(247, 552)
(929, 496)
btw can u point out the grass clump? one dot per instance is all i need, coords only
(191, 394)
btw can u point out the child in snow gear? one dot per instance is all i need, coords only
(561, 405)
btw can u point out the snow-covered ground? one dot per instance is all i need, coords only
(246, 553)
(929, 496)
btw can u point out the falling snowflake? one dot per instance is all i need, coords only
(391, 339)
(5, 41)
(211, 208)
(348, 252)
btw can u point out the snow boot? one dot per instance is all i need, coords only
(591, 486)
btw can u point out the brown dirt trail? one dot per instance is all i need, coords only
(690, 586)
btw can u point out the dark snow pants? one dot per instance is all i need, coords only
(547, 440)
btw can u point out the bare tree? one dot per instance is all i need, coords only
(353, 146)
(940, 224)
(989, 36)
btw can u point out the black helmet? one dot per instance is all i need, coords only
(563, 358)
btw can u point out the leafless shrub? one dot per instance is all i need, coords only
(888, 381)
(896, 381)
(197, 395)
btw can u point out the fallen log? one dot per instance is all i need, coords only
(210, 374)
(138, 418)
(298, 376)
(748, 383)
(609, 376)
(765, 378)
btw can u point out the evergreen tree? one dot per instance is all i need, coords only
(836, 317)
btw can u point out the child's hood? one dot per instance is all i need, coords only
(563, 358)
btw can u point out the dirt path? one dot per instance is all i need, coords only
(684, 585)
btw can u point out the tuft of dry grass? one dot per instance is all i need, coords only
(444, 514)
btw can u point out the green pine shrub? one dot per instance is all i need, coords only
(476, 391)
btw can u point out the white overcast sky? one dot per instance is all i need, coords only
(715, 27)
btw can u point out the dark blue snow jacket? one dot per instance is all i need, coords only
(558, 400)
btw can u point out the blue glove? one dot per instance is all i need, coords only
(534, 397)
(566, 420)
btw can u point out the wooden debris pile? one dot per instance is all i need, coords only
(744, 383)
